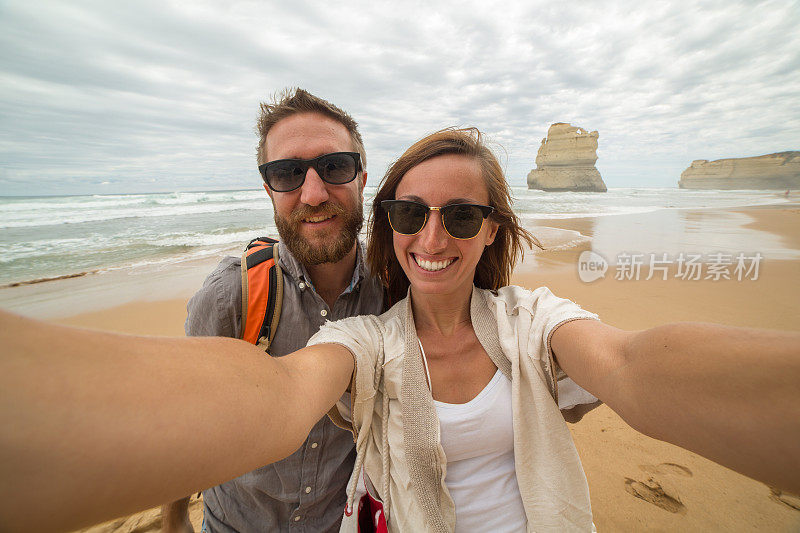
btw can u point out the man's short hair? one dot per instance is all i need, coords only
(294, 101)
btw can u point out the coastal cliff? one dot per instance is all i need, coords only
(773, 171)
(565, 161)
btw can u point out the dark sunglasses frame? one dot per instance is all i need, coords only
(305, 164)
(443, 210)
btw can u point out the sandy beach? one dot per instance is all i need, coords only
(636, 483)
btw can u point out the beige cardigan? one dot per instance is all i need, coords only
(396, 429)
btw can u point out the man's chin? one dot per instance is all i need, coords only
(319, 250)
(315, 246)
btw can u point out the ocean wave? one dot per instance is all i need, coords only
(124, 246)
(170, 260)
(619, 210)
(558, 238)
(48, 206)
(45, 237)
(208, 239)
(14, 251)
(10, 204)
(82, 215)
(618, 201)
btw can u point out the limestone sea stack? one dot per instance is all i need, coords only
(773, 171)
(565, 161)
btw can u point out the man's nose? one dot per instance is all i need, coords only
(313, 190)
(433, 235)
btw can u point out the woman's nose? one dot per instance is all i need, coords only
(434, 236)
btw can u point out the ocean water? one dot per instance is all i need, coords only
(51, 236)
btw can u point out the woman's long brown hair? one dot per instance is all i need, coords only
(497, 262)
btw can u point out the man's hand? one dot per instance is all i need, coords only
(175, 517)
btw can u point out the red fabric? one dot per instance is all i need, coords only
(370, 515)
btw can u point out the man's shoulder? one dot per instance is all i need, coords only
(226, 267)
(215, 309)
(225, 278)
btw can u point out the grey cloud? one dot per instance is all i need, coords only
(130, 93)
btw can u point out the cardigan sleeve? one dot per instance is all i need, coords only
(552, 312)
(537, 315)
(363, 337)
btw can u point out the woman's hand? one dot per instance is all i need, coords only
(729, 394)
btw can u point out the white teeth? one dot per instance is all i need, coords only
(432, 266)
(318, 218)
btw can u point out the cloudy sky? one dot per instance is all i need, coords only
(112, 96)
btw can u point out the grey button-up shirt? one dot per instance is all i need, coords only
(306, 491)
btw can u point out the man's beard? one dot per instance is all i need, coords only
(330, 250)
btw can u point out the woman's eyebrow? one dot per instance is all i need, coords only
(411, 197)
(451, 201)
(460, 201)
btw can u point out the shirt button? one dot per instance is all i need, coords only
(324, 312)
(297, 518)
(301, 285)
(314, 444)
(308, 489)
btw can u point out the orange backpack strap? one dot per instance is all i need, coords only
(262, 291)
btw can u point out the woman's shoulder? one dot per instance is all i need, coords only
(540, 304)
(514, 298)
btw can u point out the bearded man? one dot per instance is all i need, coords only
(312, 161)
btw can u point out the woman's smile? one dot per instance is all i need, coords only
(433, 261)
(433, 264)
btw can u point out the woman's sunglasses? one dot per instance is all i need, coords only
(286, 175)
(460, 221)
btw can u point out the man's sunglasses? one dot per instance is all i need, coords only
(286, 175)
(460, 221)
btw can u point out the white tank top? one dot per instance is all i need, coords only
(478, 441)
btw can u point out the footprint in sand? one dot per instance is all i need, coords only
(652, 491)
(657, 491)
(666, 469)
(786, 498)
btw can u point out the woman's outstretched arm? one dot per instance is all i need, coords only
(94, 426)
(729, 394)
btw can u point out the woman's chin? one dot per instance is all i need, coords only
(440, 288)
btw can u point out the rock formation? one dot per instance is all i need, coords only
(772, 171)
(565, 161)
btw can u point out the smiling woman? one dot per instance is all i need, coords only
(478, 170)
(460, 358)
(434, 261)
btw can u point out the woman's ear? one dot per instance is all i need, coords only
(492, 233)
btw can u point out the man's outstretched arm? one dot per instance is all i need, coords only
(94, 423)
(209, 313)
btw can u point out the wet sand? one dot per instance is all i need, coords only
(636, 483)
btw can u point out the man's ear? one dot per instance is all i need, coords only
(363, 183)
(269, 191)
